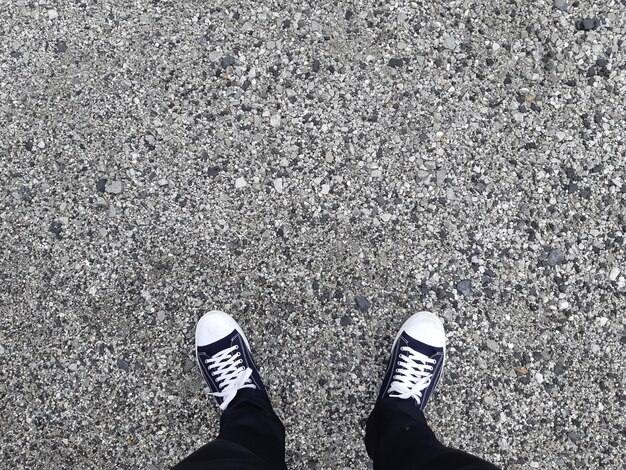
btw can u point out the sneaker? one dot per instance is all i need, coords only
(417, 358)
(224, 357)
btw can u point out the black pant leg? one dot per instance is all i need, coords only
(249, 431)
(250, 421)
(223, 455)
(398, 436)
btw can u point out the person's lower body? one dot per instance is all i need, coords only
(398, 437)
(251, 437)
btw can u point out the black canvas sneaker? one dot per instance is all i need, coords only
(224, 357)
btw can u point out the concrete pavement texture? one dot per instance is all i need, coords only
(321, 171)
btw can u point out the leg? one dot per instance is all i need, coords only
(251, 422)
(251, 434)
(397, 435)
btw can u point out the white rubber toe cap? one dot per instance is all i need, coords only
(215, 325)
(426, 328)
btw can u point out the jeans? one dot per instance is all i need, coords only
(397, 437)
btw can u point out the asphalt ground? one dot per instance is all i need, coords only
(319, 170)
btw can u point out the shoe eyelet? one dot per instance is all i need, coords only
(236, 346)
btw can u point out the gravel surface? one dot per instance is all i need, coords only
(321, 171)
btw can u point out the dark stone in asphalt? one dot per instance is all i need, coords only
(587, 24)
(227, 60)
(597, 118)
(56, 228)
(464, 287)
(101, 185)
(555, 257)
(362, 302)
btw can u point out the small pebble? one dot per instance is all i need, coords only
(520, 371)
(101, 185)
(113, 187)
(449, 43)
(345, 320)
(278, 185)
(53, 14)
(539, 377)
(491, 344)
(504, 445)
(587, 24)
(602, 62)
(275, 120)
(362, 302)
(56, 228)
(228, 61)
(464, 287)
(614, 273)
(555, 257)
(240, 182)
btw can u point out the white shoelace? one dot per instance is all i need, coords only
(412, 376)
(229, 375)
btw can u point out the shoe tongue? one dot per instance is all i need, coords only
(420, 347)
